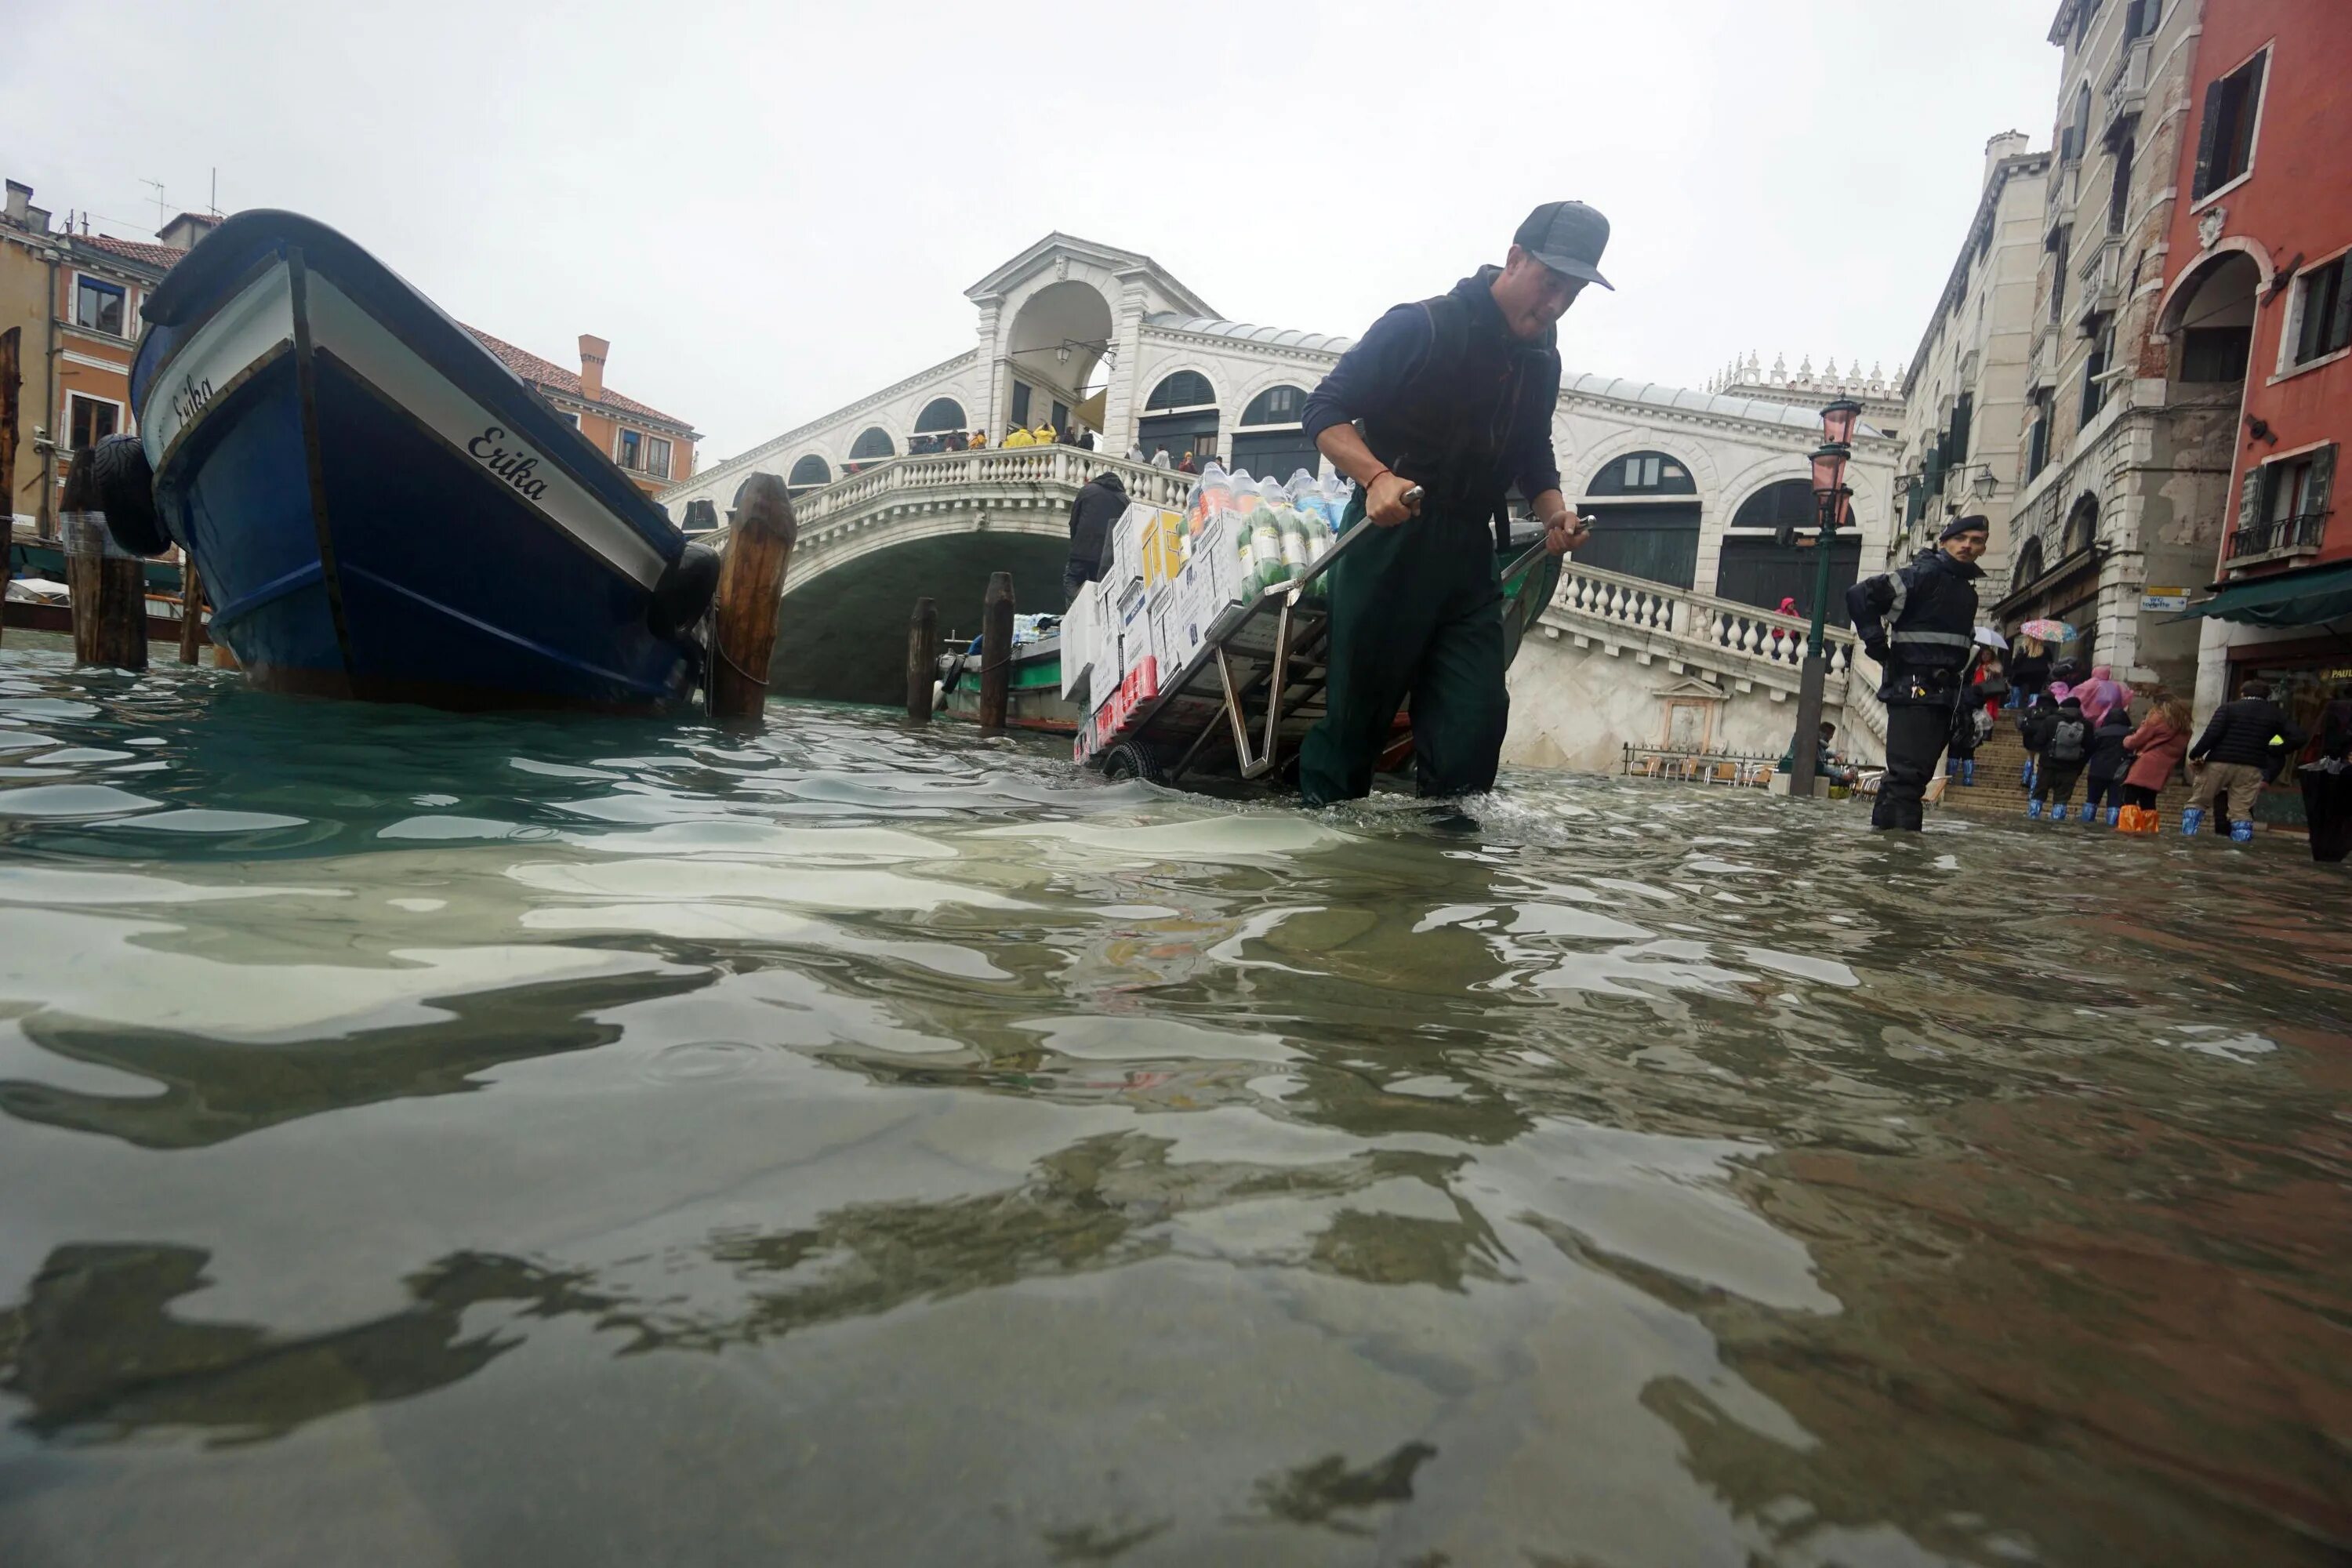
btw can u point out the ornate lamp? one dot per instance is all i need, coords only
(1838, 420)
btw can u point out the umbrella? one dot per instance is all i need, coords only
(1987, 637)
(2048, 631)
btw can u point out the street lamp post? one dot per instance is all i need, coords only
(1831, 499)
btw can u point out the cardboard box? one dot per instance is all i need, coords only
(1168, 631)
(1078, 639)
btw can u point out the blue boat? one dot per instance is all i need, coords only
(379, 508)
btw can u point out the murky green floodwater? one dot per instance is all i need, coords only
(504, 1141)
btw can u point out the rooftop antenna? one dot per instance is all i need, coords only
(162, 214)
(214, 203)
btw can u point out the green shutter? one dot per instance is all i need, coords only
(2322, 477)
(2209, 137)
(1960, 411)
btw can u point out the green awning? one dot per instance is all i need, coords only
(2307, 598)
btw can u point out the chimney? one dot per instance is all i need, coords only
(182, 232)
(20, 200)
(2007, 144)
(592, 351)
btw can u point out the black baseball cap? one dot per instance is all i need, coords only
(1568, 237)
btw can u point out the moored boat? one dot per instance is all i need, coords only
(378, 507)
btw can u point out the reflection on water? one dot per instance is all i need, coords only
(457, 1140)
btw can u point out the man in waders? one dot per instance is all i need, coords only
(1453, 397)
(1920, 622)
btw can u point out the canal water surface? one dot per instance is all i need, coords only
(443, 1139)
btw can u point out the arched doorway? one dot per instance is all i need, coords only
(873, 445)
(1059, 342)
(807, 475)
(1647, 504)
(1270, 439)
(1755, 568)
(2211, 322)
(1180, 416)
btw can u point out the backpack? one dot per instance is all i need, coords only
(2068, 739)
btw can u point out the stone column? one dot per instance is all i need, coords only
(988, 387)
(1122, 396)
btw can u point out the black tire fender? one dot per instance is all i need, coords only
(684, 592)
(126, 493)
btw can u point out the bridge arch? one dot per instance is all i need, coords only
(1055, 348)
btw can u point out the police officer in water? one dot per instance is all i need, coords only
(1452, 397)
(1920, 622)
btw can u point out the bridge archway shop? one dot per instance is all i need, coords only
(1755, 567)
(1180, 417)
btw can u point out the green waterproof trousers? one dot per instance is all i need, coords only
(1416, 610)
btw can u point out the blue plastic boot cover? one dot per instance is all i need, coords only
(2243, 832)
(2192, 819)
(2033, 810)
(2058, 812)
(2114, 815)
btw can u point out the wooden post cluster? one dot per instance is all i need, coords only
(750, 584)
(922, 659)
(10, 380)
(109, 591)
(995, 652)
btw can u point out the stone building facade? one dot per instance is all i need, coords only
(2125, 468)
(1964, 395)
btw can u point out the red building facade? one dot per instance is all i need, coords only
(2258, 289)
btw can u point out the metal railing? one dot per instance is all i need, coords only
(2304, 531)
(1681, 765)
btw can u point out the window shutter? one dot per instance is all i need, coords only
(1960, 412)
(2209, 137)
(2322, 476)
(2249, 502)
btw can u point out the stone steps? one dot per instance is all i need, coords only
(2000, 780)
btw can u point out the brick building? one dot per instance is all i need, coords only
(656, 450)
(2258, 307)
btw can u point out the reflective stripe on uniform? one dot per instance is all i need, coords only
(1941, 639)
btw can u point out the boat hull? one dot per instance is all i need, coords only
(375, 516)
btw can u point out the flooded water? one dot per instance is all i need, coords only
(434, 1140)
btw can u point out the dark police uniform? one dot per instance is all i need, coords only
(1919, 622)
(1448, 399)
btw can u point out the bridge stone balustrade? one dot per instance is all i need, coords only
(903, 501)
(1576, 702)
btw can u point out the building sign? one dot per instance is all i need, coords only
(2175, 599)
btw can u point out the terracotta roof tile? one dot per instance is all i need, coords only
(162, 256)
(554, 377)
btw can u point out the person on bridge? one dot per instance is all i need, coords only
(1100, 502)
(1017, 436)
(1920, 622)
(1439, 410)
(979, 442)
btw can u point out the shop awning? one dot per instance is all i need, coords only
(2308, 598)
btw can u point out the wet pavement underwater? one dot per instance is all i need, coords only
(441, 1139)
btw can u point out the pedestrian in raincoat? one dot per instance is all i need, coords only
(1441, 408)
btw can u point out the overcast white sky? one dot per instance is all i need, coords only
(773, 209)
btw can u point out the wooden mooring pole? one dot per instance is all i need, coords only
(995, 652)
(108, 584)
(192, 608)
(922, 659)
(10, 380)
(750, 584)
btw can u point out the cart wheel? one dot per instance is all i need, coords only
(1126, 759)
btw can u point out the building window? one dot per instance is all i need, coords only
(2214, 353)
(2140, 18)
(2082, 527)
(2037, 444)
(1021, 405)
(874, 443)
(808, 473)
(2071, 140)
(643, 453)
(1185, 389)
(2119, 188)
(2095, 387)
(92, 419)
(2063, 246)
(2225, 138)
(2283, 504)
(2324, 310)
(1276, 405)
(99, 306)
(569, 417)
(1644, 473)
